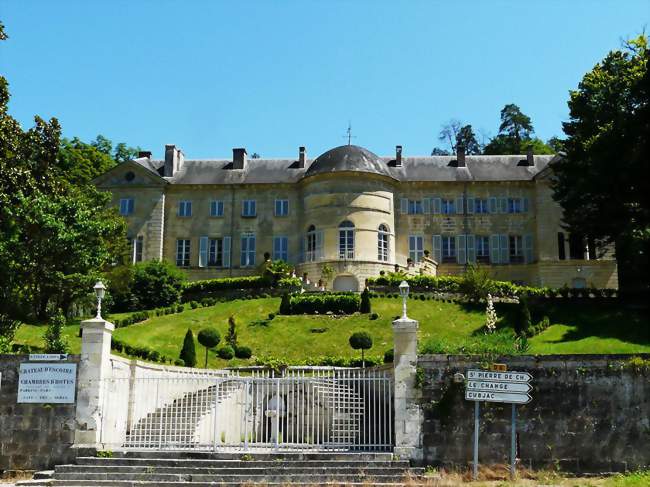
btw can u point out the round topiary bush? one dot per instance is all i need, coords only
(226, 352)
(243, 352)
(209, 338)
(374, 316)
(389, 356)
(179, 362)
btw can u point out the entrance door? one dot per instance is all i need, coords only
(346, 283)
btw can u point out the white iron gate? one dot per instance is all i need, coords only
(299, 408)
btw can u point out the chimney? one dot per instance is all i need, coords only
(239, 157)
(144, 153)
(460, 156)
(530, 158)
(173, 160)
(398, 156)
(302, 156)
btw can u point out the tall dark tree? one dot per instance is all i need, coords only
(466, 138)
(515, 135)
(456, 134)
(188, 352)
(515, 124)
(449, 132)
(603, 183)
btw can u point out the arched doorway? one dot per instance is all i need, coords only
(346, 283)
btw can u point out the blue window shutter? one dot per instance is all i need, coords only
(131, 205)
(437, 203)
(470, 205)
(459, 205)
(492, 205)
(461, 255)
(525, 205)
(504, 256)
(528, 248)
(494, 249)
(203, 251)
(252, 250)
(319, 244)
(226, 251)
(437, 248)
(503, 205)
(471, 249)
(426, 206)
(404, 206)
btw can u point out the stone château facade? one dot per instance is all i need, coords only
(356, 211)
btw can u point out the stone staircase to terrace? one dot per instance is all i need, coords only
(127, 469)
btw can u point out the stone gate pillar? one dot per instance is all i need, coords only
(408, 416)
(95, 366)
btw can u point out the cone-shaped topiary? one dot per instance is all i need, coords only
(365, 306)
(285, 304)
(188, 352)
(209, 338)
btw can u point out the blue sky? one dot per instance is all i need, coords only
(273, 75)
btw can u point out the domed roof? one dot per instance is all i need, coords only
(348, 158)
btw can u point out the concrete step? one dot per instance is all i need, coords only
(139, 483)
(210, 463)
(256, 455)
(301, 479)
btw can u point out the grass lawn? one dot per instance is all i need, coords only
(576, 328)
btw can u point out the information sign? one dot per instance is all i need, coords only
(48, 357)
(47, 383)
(483, 385)
(509, 397)
(499, 376)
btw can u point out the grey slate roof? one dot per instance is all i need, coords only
(353, 158)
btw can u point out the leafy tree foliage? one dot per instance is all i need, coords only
(466, 138)
(209, 338)
(603, 182)
(456, 134)
(515, 135)
(81, 162)
(188, 352)
(437, 151)
(55, 342)
(156, 284)
(231, 336)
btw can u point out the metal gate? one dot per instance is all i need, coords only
(321, 408)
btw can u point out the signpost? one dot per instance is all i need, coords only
(505, 387)
(48, 357)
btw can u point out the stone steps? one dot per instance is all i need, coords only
(230, 470)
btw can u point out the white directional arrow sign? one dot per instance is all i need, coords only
(499, 376)
(508, 397)
(482, 385)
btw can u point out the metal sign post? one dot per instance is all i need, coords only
(505, 387)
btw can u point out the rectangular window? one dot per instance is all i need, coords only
(216, 208)
(416, 248)
(126, 206)
(516, 249)
(448, 248)
(481, 205)
(184, 208)
(382, 246)
(183, 252)
(215, 252)
(561, 251)
(248, 208)
(138, 244)
(415, 207)
(482, 249)
(281, 248)
(515, 205)
(247, 250)
(448, 207)
(281, 207)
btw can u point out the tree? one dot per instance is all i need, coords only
(603, 183)
(156, 283)
(55, 342)
(209, 338)
(365, 306)
(285, 304)
(79, 163)
(449, 132)
(361, 340)
(515, 135)
(524, 321)
(515, 124)
(437, 151)
(124, 153)
(188, 352)
(231, 336)
(467, 139)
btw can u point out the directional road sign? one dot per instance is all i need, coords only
(509, 397)
(48, 356)
(484, 385)
(499, 376)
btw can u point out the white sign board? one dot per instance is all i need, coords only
(48, 357)
(509, 397)
(484, 385)
(47, 383)
(499, 376)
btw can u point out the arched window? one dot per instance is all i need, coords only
(382, 243)
(346, 240)
(311, 244)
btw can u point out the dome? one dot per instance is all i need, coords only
(348, 158)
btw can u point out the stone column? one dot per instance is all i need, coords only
(95, 366)
(408, 416)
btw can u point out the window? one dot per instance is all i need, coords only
(346, 240)
(311, 244)
(215, 252)
(415, 207)
(216, 208)
(561, 251)
(448, 207)
(516, 249)
(482, 249)
(515, 205)
(184, 208)
(138, 244)
(576, 247)
(281, 248)
(480, 205)
(382, 243)
(248, 208)
(416, 248)
(183, 252)
(281, 207)
(247, 250)
(126, 206)
(448, 248)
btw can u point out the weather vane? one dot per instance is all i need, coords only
(349, 134)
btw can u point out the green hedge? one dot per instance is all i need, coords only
(143, 353)
(226, 283)
(327, 360)
(322, 303)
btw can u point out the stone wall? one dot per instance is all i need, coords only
(589, 413)
(32, 436)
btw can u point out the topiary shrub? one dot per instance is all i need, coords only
(188, 352)
(374, 316)
(361, 340)
(523, 323)
(231, 336)
(365, 306)
(226, 352)
(243, 352)
(322, 303)
(194, 304)
(389, 356)
(285, 305)
(179, 362)
(209, 338)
